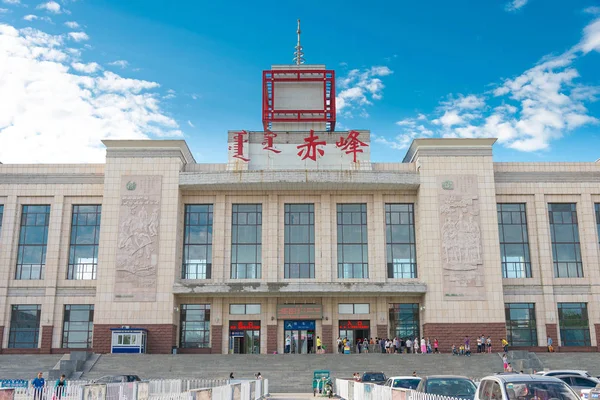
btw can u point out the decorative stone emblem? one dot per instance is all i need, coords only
(131, 185)
(448, 185)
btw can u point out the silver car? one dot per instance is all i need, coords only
(524, 387)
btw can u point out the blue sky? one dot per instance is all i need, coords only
(75, 72)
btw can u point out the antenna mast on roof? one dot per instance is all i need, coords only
(298, 54)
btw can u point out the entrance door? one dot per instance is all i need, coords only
(348, 334)
(251, 343)
(302, 341)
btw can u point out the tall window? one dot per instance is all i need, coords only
(299, 241)
(404, 320)
(85, 236)
(574, 324)
(521, 329)
(24, 326)
(1, 215)
(197, 242)
(565, 240)
(33, 239)
(195, 325)
(400, 241)
(514, 243)
(352, 241)
(596, 206)
(246, 241)
(78, 326)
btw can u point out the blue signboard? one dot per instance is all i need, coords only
(14, 383)
(299, 325)
(236, 333)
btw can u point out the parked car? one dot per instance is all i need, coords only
(377, 378)
(118, 379)
(592, 393)
(460, 387)
(556, 372)
(578, 382)
(524, 387)
(403, 382)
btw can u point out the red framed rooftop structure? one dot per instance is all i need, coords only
(269, 108)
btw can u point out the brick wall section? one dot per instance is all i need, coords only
(271, 339)
(161, 338)
(216, 339)
(551, 330)
(449, 334)
(46, 345)
(327, 338)
(597, 326)
(1, 337)
(382, 332)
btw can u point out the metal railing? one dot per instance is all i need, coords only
(351, 390)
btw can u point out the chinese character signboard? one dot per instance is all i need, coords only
(299, 325)
(361, 324)
(299, 311)
(299, 150)
(244, 326)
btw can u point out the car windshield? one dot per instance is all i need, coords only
(406, 383)
(373, 377)
(454, 387)
(539, 391)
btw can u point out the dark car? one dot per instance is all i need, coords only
(118, 379)
(377, 378)
(459, 387)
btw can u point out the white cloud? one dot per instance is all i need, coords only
(86, 68)
(51, 6)
(4, 10)
(11, 1)
(515, 5)
(79, 36)
(594, 10)
(526, 112)
(359, 88)
(72, 24)
(591, 37)
(119, 63)
(30, 17)
(190, 124)
(52, 115)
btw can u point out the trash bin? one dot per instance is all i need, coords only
(174, 350)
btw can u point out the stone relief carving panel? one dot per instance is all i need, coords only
(460, 231)
(138, 238)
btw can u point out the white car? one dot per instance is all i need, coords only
(403, 382)
(524, 387)
(556, 372)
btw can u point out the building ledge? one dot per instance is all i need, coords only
(299, 180)
(298, 289)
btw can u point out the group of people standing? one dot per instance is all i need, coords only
(484, 345)
(390, 346)
(38, 384)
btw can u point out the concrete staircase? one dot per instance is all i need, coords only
(587, 361)
(291, 373)
(26, 366)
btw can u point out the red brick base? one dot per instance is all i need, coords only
(449, 334)
(327, 339)
(46, 345)
(216, 339)
(597, 326)
(552, 331)
(271, 339)
(161, 338)
(1, 337)
(382, 332)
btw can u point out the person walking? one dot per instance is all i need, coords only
(409, 345)
(436, 346)
(416, 345)
(38, 386)
(319, 345)
(423, 346)
(288, 344)
(488, 345)
(60, 387)
(505, 345)
(467, 346)
(505, 362)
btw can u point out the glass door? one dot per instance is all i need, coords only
(251, 342)
(348, 334)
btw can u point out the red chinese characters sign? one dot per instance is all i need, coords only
(244, 325)
(311, 147)
(299, 311)
(351, 144)
(363, 324)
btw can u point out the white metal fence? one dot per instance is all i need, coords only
(163, 389)
(351, 390)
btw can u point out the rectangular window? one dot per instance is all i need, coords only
(521, 328)
(197, 242)
(299, 241)
(85, 236)
(24, 326)
(33, 239)
(401, 248)
(404, 320)
(357, 308)
(596, 206)
(564, 232)
(240, 309)
(195, 325)
(574, 324)
(352, 242)
(514, 241)
(246, 241)
(78, 326)
(1, 215)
